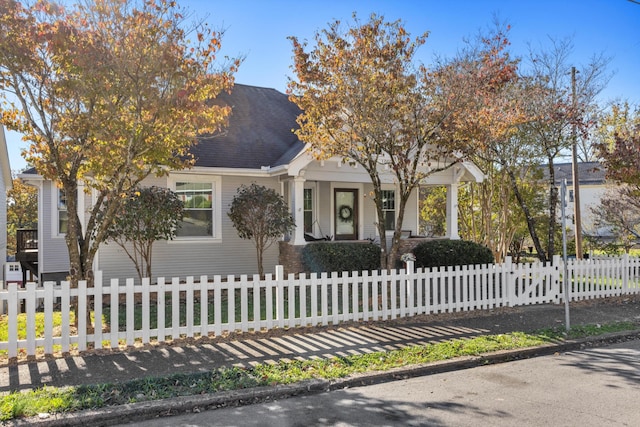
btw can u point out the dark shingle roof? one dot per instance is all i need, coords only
(260, 131)
(589, 173)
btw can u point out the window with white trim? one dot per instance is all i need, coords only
(198, 200)
(389, 209)
(62, 214)
(308, 210)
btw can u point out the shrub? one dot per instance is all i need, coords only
(330, 256)
(434, 253)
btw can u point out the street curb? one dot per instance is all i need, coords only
(148, 410)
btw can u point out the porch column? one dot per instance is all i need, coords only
(452, 211)
(298, 210)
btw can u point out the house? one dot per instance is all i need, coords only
(326, 197)
(5, 184)
(593, 186)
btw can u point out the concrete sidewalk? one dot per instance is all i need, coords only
(305, 343)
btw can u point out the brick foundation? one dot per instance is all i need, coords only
(291, 258)
(407, 245)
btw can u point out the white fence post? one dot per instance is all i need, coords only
(129, 320)
(66, 315)
(82, 315)
(146, 310)
(557, 267)
(204, 306)
(48, 317)
(625, 273)
(411, 280)
(30, 312)
(279, 295)
(114, 289)
(508, 291)
(175, 309)
(12, 320)
(97, 310)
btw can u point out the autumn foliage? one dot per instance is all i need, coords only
(365, 101)
(106, 92)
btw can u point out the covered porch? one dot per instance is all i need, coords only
(333, 200)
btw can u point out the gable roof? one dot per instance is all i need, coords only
(259, 132)
(589, 173)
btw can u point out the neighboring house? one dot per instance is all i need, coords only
(326, 197)
(592, 187)
(13, 272)
(5, 184)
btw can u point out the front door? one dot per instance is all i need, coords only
(346, 214)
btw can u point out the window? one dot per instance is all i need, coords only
(308, 210)
(63, 217)
(389, 209)
(198, 209)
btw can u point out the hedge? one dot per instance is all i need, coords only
(435, 253)
(332, 256)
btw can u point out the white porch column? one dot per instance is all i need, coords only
(298, 210)
(452, 211)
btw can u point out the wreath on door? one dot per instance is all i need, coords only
(345, 213)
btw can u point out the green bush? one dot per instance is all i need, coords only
(329, 256)
(435, 253)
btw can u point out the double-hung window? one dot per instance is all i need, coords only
(198, 199)
(201, 197)
(63, 217)
(389, 209)
(308, 210)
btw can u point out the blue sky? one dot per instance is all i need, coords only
(258, 29)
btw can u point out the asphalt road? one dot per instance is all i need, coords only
(592, 387)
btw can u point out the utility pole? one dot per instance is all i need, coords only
(576, 177)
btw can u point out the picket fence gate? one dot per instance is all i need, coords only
(126, 313)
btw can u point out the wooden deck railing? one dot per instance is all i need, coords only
(26, 240)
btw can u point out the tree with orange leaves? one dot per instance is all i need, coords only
(365, 101)
(106, 92)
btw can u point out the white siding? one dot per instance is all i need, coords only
(325, 201)
(54, 256)
(590, 196)
(370, 231)
(231, 255)
(411, 213)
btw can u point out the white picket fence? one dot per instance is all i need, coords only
(125, 313)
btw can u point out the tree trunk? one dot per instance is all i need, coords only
(147, 258)
(382, 232)
(553, 202)
(530, 221)
(74, 239)
(259, 254)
